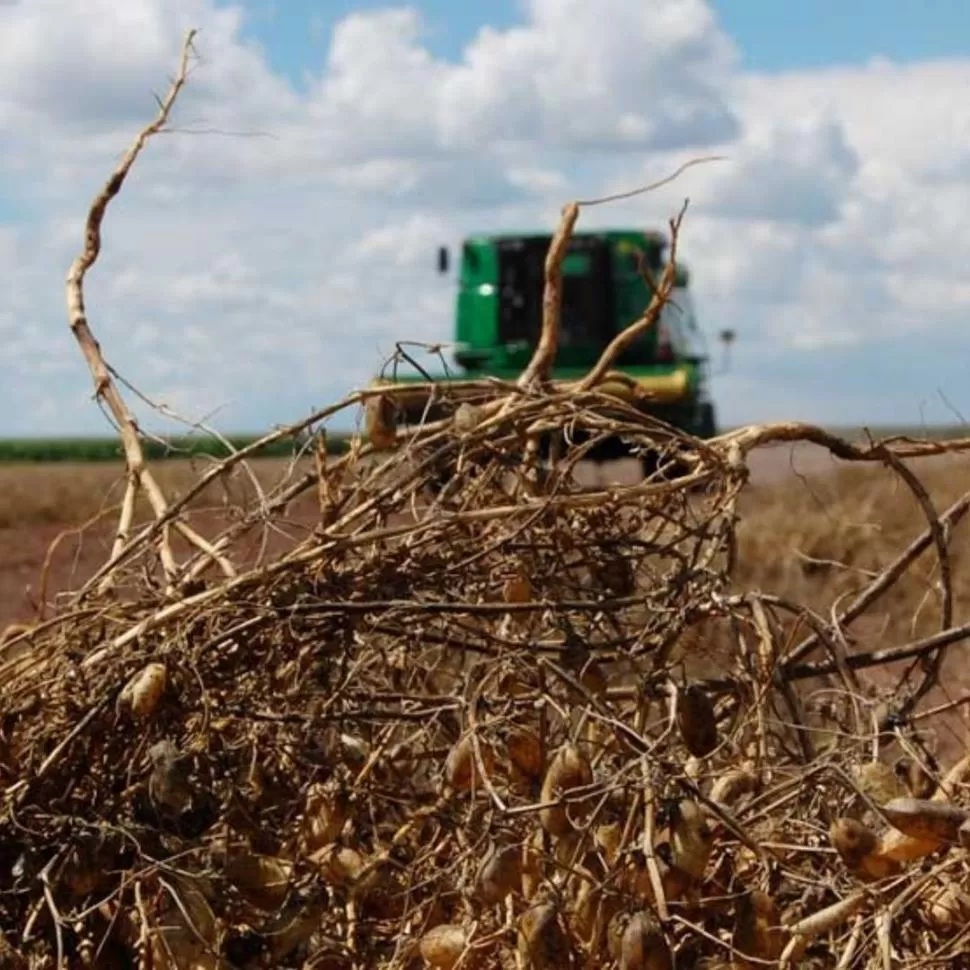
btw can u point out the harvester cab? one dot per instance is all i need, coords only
(498, 318)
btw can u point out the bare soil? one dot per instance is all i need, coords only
(813, 529)
(43, 507)
(58, 521)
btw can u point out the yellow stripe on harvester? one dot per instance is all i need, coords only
(663, 388)
(666, 388)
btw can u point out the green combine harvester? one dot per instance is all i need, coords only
(499, 315)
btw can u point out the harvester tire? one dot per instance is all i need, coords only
(708, 422)
(650, 464)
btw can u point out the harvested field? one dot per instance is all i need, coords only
(438, 703)
(811, 525)
(69, 512)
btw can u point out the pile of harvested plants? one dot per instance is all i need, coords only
(462, 727)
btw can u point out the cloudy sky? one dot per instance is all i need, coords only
(269, 250)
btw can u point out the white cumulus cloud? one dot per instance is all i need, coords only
(269, 250)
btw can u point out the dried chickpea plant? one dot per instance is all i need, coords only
(465, 731)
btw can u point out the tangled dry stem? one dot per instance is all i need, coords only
(464, 727)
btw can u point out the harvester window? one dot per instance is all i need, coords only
(580, 321)
(681, 323)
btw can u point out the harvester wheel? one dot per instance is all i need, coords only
(672, 469)
(649, 463)
(708, 424)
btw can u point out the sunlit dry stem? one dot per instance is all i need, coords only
(820, 923)
(648, 319)
(847, 957)
(649, 829)
(545, 353)
(53, 910)
(105, 388)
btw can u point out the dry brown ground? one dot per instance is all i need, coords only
(803, 513)
(812, 530)
(45, 504)
(820, 538)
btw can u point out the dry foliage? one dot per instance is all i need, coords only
(466, 731)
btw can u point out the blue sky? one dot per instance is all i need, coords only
(772, 35)
(780, 36)
(256, 278)
(296, 34)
